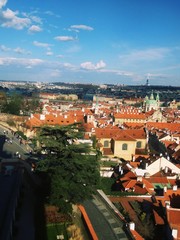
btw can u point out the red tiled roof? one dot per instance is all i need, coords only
(120, 134)
(158, 219)
(167, 143)
(129, 184)
(123, 136)
(176, 155)
(130, 116)
(136, 235)
(174, 127)
(133, 125)
(128, 175)
(163, 180)
(173, 215)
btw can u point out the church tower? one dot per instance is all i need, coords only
(151, 103)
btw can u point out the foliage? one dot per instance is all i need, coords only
(122, 211)
(17, 104)
(108, 185)
(108, 164)
(143, 216)
(155, 145)
(94, 140)
(73, 172)
(31, 106)
(13, 105)
(56, 229)
(34, 104)
(148, 229)
(20, 133)
(11, 123)
(136, 207)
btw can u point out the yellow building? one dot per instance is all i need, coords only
(115, 142)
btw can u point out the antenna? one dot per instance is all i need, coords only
(147, 81)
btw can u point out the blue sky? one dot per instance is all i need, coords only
(90, 41)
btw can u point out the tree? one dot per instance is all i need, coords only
(155, 145)
(33, 105)
(148, 229)
(73, 172)
(13, 105)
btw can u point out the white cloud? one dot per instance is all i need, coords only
(36, 19)
(21, 61)
(49, 53)
(74, 49)
(56, 73)
(2, 3)
(40, 44)
(19, 50)
(145, 55)
(28, 67)
(10, 20)
(60, 56)
(81, 27)
(90, 66)
(4, 48)
(33, 61)
(34, 29)
(68, 65)
(50, 13)
(64, 38)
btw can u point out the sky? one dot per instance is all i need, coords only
(90, 41)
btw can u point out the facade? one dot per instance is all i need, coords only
(122, 143)
(120, 118)
(151, 103)
(157, 116)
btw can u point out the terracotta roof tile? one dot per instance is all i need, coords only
(130, 116)
(136, 235)
(173, 216)
(158, 219)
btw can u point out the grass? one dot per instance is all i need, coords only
(108, 163)
(56, 229)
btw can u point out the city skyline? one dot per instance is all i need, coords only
(100, 42)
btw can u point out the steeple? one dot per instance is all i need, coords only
(152, 96)
(97, 105)
(157, 96)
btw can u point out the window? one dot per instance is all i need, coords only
(138, 144)
(124, 146)
(106, 143)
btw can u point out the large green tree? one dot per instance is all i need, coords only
(72, 170)
(13, 105)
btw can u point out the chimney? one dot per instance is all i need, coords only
(132, 226)
(165, 189)
(166, 169)
(174, 233)
(139, 178)
(167, 204)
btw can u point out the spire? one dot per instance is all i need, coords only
(157, 96)
(152, 96)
